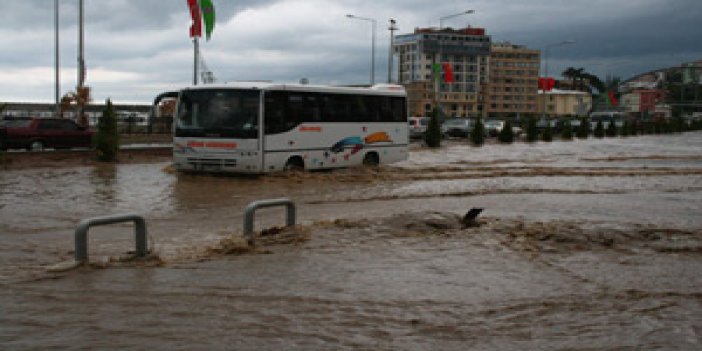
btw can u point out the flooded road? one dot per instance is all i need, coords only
(593, 244)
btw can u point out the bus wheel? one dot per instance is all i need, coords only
(371, 159)
(294, 163)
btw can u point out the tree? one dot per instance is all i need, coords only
(626, 129)
(611, 129)
(584, 129)
(506, 134)
(532, 131)
(547, 135)
(477, 135)
(567, 133)
(106, 139)
(570, 73)
(432, 137)
(599, 130)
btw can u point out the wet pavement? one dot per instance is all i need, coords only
(592, 244)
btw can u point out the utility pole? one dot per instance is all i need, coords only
(196, 50)
(57, 87)
(81, 94)
(392, 44)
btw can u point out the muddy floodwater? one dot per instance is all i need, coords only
(583, 245)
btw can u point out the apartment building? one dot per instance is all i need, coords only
(513, 80)
(466, 51)
(564, 103)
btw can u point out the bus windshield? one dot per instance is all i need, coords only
(213, 113)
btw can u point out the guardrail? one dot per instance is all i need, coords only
(252, 207)
(81, 234)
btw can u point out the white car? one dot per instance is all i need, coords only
(494, 127)
(417, 126)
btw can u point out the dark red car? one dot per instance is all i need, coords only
(36, 134)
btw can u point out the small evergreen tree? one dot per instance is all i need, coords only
(506, 134)
(106, 139)
(611, 129)
(599, 130)
(584, 129)
(432, 137)
(567, 132)
(477, 135)
(625, 132)
(532, 131)
(547, 135)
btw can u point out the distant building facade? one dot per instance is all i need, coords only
(466, 51)
(137, 114)
(513, 80)
(564, 103)
(642, 102)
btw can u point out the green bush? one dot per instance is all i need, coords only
(477, 135)
(611, 130)
(506, 134)
(599, 131)
(626, 129)
(532, 131)
(584, 129)
(567, 132)
(547, 135)
(432, 137)
(106, 139)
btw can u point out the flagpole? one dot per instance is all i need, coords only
(196, 49)
(56, 58)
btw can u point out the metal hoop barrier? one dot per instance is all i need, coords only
(81, 236)
(252, 207)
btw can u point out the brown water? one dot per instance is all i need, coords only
(590, 244)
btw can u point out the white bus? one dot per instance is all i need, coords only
(264, 127)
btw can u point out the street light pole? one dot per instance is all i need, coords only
(392, 44)
(57, 87)
(374, 22)
(441, 20)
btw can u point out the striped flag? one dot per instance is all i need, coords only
(208, 15)
(196, 26)
(201, 11)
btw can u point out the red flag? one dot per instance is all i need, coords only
(546, 84)
(196, 27)
(448, 73)
(612, 98)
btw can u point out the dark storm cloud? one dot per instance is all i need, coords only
(134, 48)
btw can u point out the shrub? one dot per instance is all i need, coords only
(612, 129)
(567, 132)
(547, 135)
(532, 131)
(432, 137)
(477, 135)
(106, 139)
(584, 129)
(625, 129)
(506, 134)
(599, 130)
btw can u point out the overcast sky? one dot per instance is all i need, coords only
(135, 49)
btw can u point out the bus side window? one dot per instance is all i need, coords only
(275, 112)
(399, 113)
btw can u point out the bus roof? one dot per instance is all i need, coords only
(378, 89)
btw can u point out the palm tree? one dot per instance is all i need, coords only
(570, 73)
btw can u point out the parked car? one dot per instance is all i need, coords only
(457, 127)
(36, 134)
(494, 127)
(418, 126)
